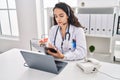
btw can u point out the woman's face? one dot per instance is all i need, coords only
(60, 17)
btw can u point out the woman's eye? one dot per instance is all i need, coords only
(58, 16)
(61, 16)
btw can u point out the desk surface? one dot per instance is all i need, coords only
(11, 68)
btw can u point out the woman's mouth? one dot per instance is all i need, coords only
(59, 22)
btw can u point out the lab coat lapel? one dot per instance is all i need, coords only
(58, 38)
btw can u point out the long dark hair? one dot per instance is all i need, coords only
(72, 19)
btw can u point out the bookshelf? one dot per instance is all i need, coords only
(101, 26)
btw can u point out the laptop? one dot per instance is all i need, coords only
(43, 62)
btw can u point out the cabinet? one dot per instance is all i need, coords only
(116, 48)
(118, 26)
(116, 43)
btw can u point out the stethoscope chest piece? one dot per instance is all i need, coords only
(67, 36)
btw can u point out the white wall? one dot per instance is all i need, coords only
(98, 3)
(40, 18)
(26, 11)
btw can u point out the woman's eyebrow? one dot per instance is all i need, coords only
(61, 14)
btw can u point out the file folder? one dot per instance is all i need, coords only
(98, 24)
(104, 24)
(92, 23)
(84, 21)
(110, 24)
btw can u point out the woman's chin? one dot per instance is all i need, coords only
(59, 25)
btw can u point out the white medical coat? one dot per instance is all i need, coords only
(77, 34)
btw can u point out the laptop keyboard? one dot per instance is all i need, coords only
(60, 64)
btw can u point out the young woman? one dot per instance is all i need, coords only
(67, 35)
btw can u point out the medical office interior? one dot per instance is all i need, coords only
(22, 21)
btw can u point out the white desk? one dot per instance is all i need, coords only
(11, 68)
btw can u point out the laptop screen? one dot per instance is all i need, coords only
(43, 62)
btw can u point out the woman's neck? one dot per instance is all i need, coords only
(64, 27)
(63, 30)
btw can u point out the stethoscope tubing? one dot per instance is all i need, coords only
(67, 33)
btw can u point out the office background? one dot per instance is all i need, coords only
(31, 22)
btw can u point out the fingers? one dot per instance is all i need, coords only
(53, 54)
(51, 46)
(57, 55)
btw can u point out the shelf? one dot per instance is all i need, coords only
(97, 10)
(98, 35)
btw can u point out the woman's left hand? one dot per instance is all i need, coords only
(57, 55)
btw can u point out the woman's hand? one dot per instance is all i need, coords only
(57, 55)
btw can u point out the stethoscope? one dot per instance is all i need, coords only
(67, 36)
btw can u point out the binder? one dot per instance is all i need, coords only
(110, 19)
(98, 24)
(92, 23)
(104, 24)
(84, 21)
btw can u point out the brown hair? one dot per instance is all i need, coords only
(72, 19)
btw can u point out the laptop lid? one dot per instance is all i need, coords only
(42, 62)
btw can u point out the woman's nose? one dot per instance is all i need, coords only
(58, 19)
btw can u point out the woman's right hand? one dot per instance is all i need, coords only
(51, 46)
(58, 54)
